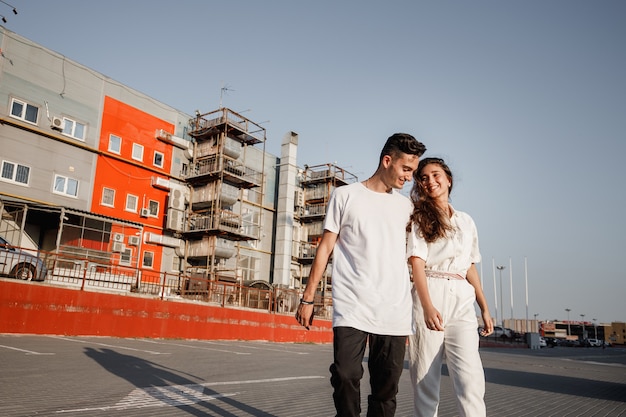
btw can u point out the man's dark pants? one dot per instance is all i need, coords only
(385, 364)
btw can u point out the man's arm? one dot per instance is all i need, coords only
(304, 314)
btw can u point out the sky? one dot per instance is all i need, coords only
(525, 100)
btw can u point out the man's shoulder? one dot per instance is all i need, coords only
(348, 189)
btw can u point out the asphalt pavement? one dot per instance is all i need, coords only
(103, 376)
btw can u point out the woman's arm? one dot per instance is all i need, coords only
(474, 279)
(432, 317)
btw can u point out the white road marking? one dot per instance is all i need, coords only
(91, 342)
(258, 348)
(196, 347)
(177, 395)
(28, 352)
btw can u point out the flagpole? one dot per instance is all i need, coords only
(495, 289)
(526, 280)
(511, 281)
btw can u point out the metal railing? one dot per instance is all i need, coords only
(82, 273)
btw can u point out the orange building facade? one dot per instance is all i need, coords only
(130, 158)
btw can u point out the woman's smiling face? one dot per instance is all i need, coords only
(435, 181)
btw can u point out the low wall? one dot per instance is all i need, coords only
(40, 308)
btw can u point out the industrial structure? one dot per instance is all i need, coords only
(115, 189)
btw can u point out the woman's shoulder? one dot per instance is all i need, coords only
(464, 217)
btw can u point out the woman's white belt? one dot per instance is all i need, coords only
(442, 274)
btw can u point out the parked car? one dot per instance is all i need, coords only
(17, 263)
(552, 342)
(502, 332)
(594, 342)
(570, 343)
(542, 342)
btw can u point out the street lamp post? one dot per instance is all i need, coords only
(595, 329)
(536, 322)
(500, 268)
(582, 318)
(569, 331)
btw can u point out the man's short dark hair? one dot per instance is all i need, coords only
(402, 143)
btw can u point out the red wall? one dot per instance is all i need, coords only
(34, 308)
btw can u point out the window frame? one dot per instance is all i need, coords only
(110, 148)
(66, 182)
(102, 199)
(14, 175)
(72, 133)
(137, 147)
(154, 157)
(136, 206)
(153, 204)
(24, 113)
(127, 253)
(150, 255)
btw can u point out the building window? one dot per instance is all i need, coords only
(131, 203)
(158, 159)
(108, 197)
(73, 129)
(148, 259)
(12, 172)
(126, 256)
(65, 185)
(137, 152)
(24, 111)
(153, 207)
(115, 144)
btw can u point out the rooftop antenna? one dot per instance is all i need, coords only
(223, 90)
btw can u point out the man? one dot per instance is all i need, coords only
(364, 229)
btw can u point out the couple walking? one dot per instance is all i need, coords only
(372, 232)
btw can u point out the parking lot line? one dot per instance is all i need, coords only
(28, 352)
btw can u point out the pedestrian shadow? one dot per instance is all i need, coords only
(558, 384)
(166, 386)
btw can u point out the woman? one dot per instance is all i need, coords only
(442, 250)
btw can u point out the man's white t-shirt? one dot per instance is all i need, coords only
(370, 276)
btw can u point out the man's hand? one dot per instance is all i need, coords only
(304, 315)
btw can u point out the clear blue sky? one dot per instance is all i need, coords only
(525, 100)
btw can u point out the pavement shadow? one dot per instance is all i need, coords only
(558, 384)
(169, 386)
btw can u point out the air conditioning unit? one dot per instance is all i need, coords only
(119, 247)
(145, 212)
(176, 199)
(57, 123)
(118, 237)
(299, 197)
(133, 240)
(175, 220)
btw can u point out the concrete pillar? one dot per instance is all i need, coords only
(287, 186)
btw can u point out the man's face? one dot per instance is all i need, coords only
(399, 169)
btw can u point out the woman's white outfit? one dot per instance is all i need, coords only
(447, 261)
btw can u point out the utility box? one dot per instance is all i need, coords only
(533, 340)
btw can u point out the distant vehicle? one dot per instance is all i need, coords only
(551, 341)
(570, 343)
(498, 331)
(594, 342)
(542, 342)
(501, 332)
(17, 263)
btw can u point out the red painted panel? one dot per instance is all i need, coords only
(33, 308)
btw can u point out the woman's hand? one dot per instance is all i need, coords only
(433, 319)
(488, 329)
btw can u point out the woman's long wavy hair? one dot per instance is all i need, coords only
(432, 222)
